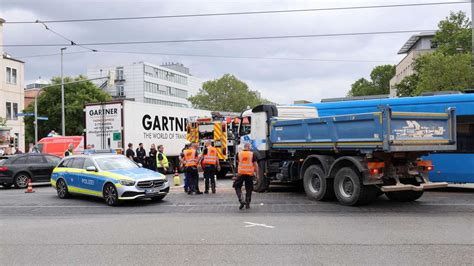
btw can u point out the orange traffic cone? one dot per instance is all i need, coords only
(176, 178)
(30, 186)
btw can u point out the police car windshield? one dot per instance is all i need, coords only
(115, 163)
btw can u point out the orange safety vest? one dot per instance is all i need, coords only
(190, 157)
(246, 166)
(211, 157)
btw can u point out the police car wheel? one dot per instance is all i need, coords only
(61, 188)
(111, 195)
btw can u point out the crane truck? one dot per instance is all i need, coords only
(353, 158)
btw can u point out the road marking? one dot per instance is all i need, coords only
(250, 224)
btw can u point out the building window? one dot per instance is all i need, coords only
(9, 111)
(15, 111)
(11, 75)
(119, 73)
(120, 90)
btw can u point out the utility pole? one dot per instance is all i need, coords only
(63, 119)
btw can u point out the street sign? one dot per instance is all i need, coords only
(117, 136)
(25, 114)
(42, 118)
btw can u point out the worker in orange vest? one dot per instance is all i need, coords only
(190, 163)
(210, 165)
(247, 170)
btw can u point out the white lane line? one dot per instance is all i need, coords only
(250, 224)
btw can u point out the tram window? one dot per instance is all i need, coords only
(465, 134)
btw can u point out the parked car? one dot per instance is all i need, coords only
(17, 169)
(113, 177)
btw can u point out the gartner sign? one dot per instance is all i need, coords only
(102, 121)
(164, 127)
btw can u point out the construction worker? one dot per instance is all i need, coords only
(210, 164)
(247, 170)
(190, 162)
(181, 160)
(161, 160)
(69, 150)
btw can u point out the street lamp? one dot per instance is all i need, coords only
(63, 120)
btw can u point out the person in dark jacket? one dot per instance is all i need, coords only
(152, 158)
(130, 153)
(141, 154)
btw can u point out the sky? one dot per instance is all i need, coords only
(280, 81)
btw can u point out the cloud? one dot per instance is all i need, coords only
(279, 81)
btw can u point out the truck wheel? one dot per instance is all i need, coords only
(262, 183)
(349, 189)
(404, 196)
(316, 185)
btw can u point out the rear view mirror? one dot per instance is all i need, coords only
(91, 169)
(140, 165)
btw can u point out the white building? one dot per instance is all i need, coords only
(169, 84)
(12, 76)
(417, 45)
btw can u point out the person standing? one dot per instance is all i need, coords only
(162, 161)
(69, 150)
(190, 162)
(141, 154)
(210, 164)
(247, 170)
(152, 158)
(130, 153)
(181, 160)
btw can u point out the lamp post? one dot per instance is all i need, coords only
(63, 120)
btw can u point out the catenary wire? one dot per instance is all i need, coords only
(241, 13)
(222, 39)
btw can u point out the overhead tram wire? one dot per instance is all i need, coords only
(217, 56)
(221, 39)
(241, 13)
(64, 37)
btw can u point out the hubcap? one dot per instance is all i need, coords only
(346, 187)
(61, 189)
(315, 183)
(22, 181)
(110, 195)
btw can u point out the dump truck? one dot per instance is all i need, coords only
(353, 158)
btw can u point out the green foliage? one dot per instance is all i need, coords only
(3, 122)
(379, 84)
(226, 94)
(407, 87)
(439, 72)
(49, 104)
(454, 34)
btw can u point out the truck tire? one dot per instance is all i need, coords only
(404, 196)
(349, 189)
(316, 185)
(262, 183)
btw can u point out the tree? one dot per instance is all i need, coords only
(439, 72)
(380, 82)
(226, 94)
(407, 87)
(454, 34)
(49, 104)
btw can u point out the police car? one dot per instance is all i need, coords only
(112, 177)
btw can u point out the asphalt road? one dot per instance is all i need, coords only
(281, 228)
